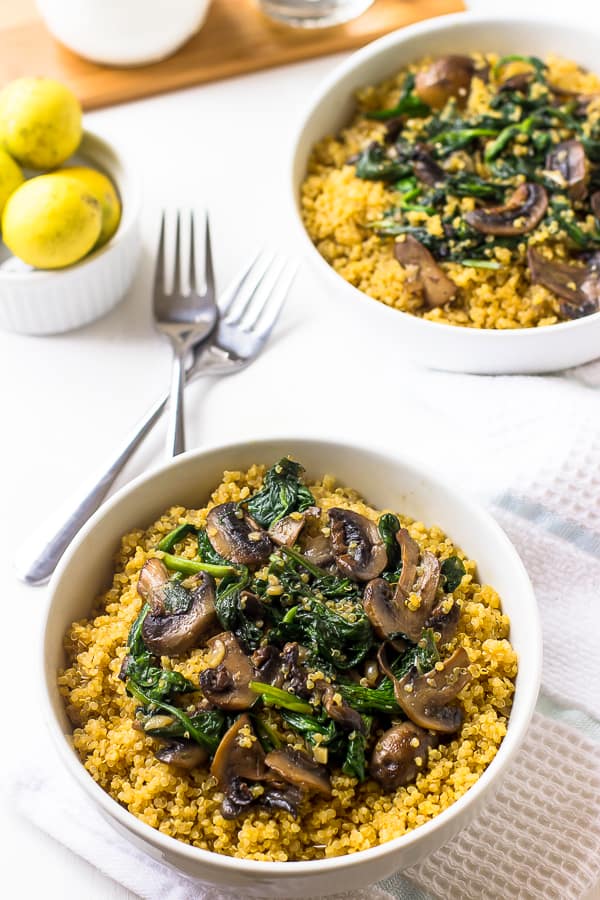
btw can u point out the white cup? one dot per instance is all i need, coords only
(123, 32)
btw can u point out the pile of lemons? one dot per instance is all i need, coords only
(55, 219)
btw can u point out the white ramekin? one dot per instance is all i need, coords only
(36, 301)
(123, 32)
(439, 346)
(385, 480)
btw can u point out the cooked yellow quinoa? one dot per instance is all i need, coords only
(187, 806)
(339, 210)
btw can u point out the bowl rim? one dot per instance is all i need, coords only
(278, 870)
(128, 186)
(402, 36)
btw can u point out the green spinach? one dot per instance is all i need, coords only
(281, 494)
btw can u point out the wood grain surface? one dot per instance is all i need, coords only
(236, 38)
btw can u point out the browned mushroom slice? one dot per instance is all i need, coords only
(429, 700)
(446, 77)
(519, 82)
(152, 579)
(595, 203)
(182, 754)
(427, 583)
(317, 549)
(425, 167)
(409, 551)
(444, 621)
(583, 100)
(400, 754)
(286, 531)
(569, 160)
(436, 286)
(380, 606)
(299, 769)
(577, 286)
(295, 674)
(390, 614)
(239, 755)
(236, 536)
(523, 211)
(226, 684)
(357, 545)
(337, 708)
(282, 796)
(181, 617)
(268, 665)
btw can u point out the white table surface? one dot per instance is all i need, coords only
(68, 400)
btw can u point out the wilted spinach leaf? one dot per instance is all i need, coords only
(452, 570)
(355, 764)
(281, 494)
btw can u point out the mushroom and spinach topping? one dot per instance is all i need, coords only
(483, 162)
(305, 671)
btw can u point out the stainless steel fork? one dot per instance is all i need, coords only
(185, 312)
(250, 307)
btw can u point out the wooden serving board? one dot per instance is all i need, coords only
(236, 38)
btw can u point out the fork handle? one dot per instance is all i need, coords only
(36, 567)
(176, 426)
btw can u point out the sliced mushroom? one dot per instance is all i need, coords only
(519, 82)
(236, 536)
(437, 288)
(317, 549)
(446, 77)
(286, 531)
(238, 797)
(267, 663)
(409, 554)
(239, 759)
(426, 169)
(569, 160)
(393, 127)
(239, 755)
(400, 754)
(429, 700)
(595, 203)
(522, 212)
(388, 611)
(282, 796)
(582, 100)
(577, 286)
(337, 708)
(295, 675)
(380, 606)
(183, 754)
(172, 633)
(226, 684)
(357, 545)
(444, 623)
(152, 579)
(299, 769)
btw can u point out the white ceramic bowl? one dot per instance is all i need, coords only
(525, 350)
(123, 32)
(40, 301)
(384, 480)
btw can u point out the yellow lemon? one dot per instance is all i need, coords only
(10, 177)
(102, 188)
(51, 221)
(40, 122)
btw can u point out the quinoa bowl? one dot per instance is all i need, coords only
(385, 483)
(389, 189)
